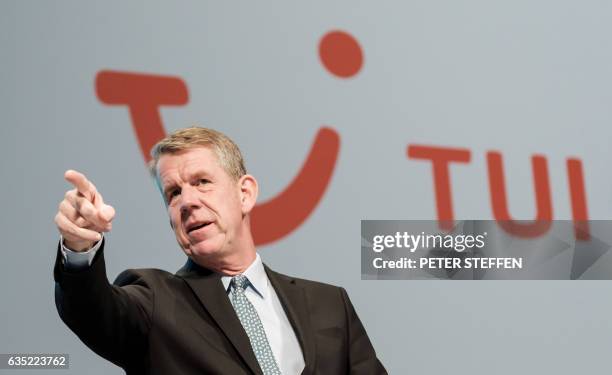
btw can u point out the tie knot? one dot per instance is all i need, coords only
(239, 282)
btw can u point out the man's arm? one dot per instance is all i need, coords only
(362, 357)
(113, 320)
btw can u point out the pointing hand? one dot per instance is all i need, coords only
(82, 215)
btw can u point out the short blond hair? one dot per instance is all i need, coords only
(228, 153)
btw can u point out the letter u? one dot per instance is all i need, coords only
(499, 201)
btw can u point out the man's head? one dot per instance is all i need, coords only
(208, 195)
(227, 151)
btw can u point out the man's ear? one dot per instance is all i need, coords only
(248, 192)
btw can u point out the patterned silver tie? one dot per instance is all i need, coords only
(253, 327)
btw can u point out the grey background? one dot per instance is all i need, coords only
(521, 77)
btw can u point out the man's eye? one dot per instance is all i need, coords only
(173, 193)
(203, 181)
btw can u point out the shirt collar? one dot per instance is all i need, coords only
(256, 274)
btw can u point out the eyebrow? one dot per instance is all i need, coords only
(197, 174)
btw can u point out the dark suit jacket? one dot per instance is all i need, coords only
(153, 322)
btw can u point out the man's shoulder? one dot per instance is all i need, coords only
(144, 275)
(307, 284)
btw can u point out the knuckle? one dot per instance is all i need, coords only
(63, 206)
(85, 208)
(82, 223)
(90, 211)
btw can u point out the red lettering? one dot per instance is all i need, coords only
(499, 200)
(440, 159)
(578, 198)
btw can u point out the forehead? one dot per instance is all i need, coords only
(193, 160)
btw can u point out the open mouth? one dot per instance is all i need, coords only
(196, 226)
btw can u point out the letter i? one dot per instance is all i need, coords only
(575, 176)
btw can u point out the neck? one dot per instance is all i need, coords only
(231, 262)
(232, 267)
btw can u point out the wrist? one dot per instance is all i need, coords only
(78, 246)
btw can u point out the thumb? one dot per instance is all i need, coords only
(107, 213)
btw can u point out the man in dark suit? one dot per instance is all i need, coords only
(224, 312)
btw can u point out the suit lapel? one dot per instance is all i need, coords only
(208, 288)
(293, 299)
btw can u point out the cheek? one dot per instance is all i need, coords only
(175, 219)
(234, 214)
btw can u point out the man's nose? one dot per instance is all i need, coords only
(189, 200)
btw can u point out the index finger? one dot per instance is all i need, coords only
(81, 183)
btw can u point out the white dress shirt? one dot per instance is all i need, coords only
(261, 294)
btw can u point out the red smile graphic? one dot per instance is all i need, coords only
(144, 94)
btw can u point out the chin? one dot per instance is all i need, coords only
(204, 249)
